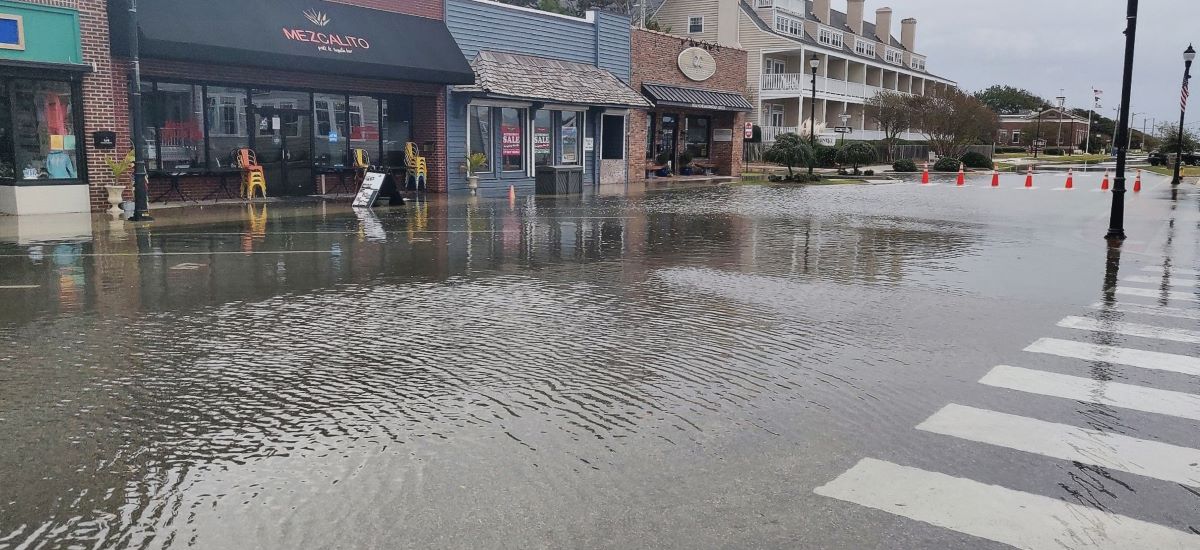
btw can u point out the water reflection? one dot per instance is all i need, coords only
(226, 356)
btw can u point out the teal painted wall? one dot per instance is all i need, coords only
(51, 34)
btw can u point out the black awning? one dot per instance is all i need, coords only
(699, 98)
(312, 36)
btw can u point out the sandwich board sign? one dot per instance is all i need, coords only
(369, 192)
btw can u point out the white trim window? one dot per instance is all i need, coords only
(1016, 137)
(893, 56)
(695, 24)
(789, 25)
(829, 37)
(918, 63)
(864, 47)
(774, 66)
(228, 115)
(775, 115)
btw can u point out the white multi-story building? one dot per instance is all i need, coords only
(856, 59)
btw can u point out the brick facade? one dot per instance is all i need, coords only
(656, 60)
(106, 88)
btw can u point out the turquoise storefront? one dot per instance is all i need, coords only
(42, 162)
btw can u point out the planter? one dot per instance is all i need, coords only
(115, 196)
(472, 183)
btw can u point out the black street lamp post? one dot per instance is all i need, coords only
(140, 189)
(1037, 139)
(1116, 224)
(812, 118)
(1188, 55)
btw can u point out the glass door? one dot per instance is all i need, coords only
(668, 134)
(283, 141)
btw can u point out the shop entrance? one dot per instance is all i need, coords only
(282, 139)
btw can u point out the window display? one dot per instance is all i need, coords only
(512, 139)
(569, 140)
(480, 130)
(542, 137)
(44, 142)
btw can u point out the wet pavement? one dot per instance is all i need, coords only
(743, 366)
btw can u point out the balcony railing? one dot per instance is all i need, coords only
(769, 133)
(797, 82)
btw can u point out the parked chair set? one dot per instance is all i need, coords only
(254, 182)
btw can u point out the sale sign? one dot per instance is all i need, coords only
(510, 140)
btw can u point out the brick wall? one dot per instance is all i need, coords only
(101, 108)
(656, 59)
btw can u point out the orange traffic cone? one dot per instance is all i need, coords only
(1029, 177)
(925, 175)
(1104, 184)
(962, 180)
(995, 178)
(1070, 179)
(512, 195)
(1137, 183)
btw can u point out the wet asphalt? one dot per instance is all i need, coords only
(637, 368)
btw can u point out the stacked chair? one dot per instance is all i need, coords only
(252, 174)
(416, 168)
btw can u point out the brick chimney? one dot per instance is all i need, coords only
(883, 25)
(908, 34)
(821, 10)
(854, 15)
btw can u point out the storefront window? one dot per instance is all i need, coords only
(364, 126)
(699, 133)
(480, 131)
(397, 129)
(650, 122)
(512, 139)
(569, 139)
(331, 118)
(150, 118)
(543, 128)
(180, 139)
(226, 124)
(43, 129)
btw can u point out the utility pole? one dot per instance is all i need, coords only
(1116, 225)
(1062, 101)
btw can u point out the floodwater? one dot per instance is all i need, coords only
(635, 368)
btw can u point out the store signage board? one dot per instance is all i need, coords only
(589, 144)
(104, 140)
(723, 135)
(369, 192)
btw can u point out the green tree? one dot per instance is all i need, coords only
(790, 150)
(856, 154)
(893, 112)
(1169, 132)
(1007, 100)
(952, 120)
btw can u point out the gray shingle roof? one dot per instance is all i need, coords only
(550, 80)
(666, 94)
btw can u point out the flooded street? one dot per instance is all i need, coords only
(670, 368)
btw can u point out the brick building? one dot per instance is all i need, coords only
(302, 83)
(698, 91)
(1058, 129)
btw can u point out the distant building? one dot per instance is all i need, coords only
(858, 59)
(1058, 128)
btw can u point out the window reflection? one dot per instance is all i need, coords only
(43, 131)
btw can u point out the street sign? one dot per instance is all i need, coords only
(844, 130)
(749, 130)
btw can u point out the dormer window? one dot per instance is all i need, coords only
(789, 25)
(894, 57)
(829, 37)
(918, 63)
(864, 47)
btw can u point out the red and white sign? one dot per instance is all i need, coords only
(749, 130)
(510, 139)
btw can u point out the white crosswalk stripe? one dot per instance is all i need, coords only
(1125, 396)
(1157, 281)
(1015, 518)
(1175, 271)
(1108, 450)
(1150, 293)
(1121, 356)
(1132, 329)
(1140, 309)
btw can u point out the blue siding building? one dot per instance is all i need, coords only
(551, 90)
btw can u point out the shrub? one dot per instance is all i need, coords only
(904, 165)
(789, 150)
(947, 164)
(869, 173)
(1054, 151)
(856, 154)
(1000, 150)
(826, 156)
(685, 159)
(977, 160)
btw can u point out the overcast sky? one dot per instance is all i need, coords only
(1047, 45)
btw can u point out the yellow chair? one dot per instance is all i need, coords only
(417, 169)
(252, 174)
(362, 163)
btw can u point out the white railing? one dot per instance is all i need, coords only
(796, 82)
(769, 133)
